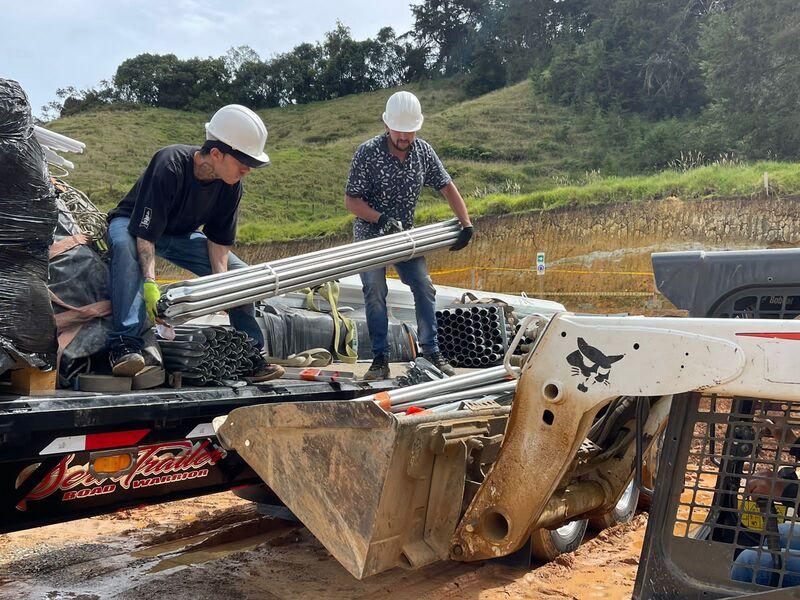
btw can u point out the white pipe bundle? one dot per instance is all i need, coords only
(56, 141)
(206, 295)
(52, 142)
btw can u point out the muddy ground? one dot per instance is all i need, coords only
(218, 546)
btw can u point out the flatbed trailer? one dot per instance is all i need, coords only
(52, 447)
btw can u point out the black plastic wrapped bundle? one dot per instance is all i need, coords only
(27, 220)
(288, 330)
(78, 277)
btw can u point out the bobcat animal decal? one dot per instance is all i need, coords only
(597, 370)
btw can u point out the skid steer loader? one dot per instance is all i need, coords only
(381, 490)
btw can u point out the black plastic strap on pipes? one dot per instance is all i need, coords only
(27, 219)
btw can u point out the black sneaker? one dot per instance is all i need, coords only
(440, 362)
(264, 371)
(126, 360)
(379, 369)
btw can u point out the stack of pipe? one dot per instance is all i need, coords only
(206, 295)
(525, 344)
(486, 382)
(208, 353)
(52, 142)
(420, 370)
(472, 335)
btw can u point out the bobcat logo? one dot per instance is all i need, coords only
(598, 369)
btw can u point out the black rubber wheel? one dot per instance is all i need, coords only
(547, 544)
(623, 512)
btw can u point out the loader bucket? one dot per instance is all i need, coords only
(377, 490)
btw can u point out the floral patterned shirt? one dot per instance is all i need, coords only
(389, 186)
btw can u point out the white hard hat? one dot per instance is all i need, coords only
(242, 130)
(403, 112)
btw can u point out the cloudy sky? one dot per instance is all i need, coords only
(57, 43)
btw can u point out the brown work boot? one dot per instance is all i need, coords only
(440, 362)
(264, 371)
(378, 370)
(126, 360)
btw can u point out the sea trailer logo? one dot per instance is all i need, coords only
(156, 464)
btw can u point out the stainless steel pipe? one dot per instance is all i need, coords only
(392, 238)
(200, 288)
(188, 301)
(442, 386)
(474, 392)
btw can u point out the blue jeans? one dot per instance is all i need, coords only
(744, 564)
(414, 273)
(190, 252)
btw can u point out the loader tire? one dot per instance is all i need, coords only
(547, 544)
(623, 512)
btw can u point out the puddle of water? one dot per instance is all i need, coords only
(173, 546)
(212, 545)
(199, 556)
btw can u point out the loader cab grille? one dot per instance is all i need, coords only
(724, 519)
(760, 303)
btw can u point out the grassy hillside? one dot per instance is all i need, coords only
(508, 151)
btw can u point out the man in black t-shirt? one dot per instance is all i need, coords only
(183, 189)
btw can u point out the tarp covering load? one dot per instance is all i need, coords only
(27, 219)
(78, 283)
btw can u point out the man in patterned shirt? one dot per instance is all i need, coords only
(386, 177)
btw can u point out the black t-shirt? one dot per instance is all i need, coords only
(169, 200)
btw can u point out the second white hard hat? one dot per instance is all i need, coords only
(403, 112)
(242, 130)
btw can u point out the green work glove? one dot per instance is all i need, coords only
(151, 297)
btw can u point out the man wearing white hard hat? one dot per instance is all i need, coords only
(386, 177)
(183, 189)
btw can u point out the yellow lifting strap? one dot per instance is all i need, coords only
(329, 291)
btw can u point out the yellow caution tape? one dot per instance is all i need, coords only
(529, 271)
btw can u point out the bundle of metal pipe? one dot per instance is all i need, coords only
(457, 397)
(476, 402)
(205, 353)
(525, 344)
(443, 390)
(473, 335)
(420, 370)
(206, 295)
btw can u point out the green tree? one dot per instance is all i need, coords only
(345, 65)
(752, 67)
(169, 82)
(527, 30)
(446, 28)
(258, 85)
(141, 79)
(635, 55)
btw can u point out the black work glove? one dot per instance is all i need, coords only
(464, 236)
(389, 225)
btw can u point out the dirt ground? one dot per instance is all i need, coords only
(218, 546)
